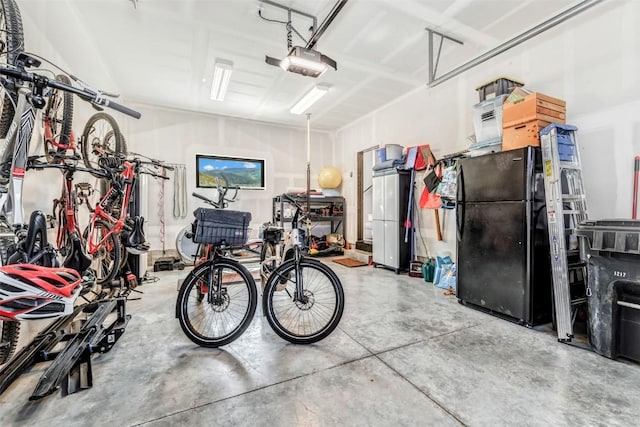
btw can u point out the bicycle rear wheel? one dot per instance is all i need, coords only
(11, 44)
(210, 320)
(101, 135)
(59, 116)
(314, 318)
(9, 334)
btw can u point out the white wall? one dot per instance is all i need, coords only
(41, 187)
(592, 61)
(177, 136)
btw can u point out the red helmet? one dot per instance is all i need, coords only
(34, 292)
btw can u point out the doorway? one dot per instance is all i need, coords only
(366, 161)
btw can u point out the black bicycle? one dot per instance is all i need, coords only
(303, 298)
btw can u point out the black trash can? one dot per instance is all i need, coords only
(611, 249)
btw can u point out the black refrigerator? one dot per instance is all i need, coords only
(503, 244)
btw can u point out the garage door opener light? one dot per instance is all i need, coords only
(307, 62)
(303, 60)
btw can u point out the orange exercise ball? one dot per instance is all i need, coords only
(329, 177)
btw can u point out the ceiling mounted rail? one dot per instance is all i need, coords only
(317, 33)
(538, 29)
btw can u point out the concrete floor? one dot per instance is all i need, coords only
(404, 354)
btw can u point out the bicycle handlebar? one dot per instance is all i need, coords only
(96, 98)
(206, 200)
(35, 164)
(300, 213)
(155, 175)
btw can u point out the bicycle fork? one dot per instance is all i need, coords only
(299, 295)
(214, 291)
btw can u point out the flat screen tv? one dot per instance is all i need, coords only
(234, 171)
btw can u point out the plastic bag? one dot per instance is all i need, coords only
(443, 264)
(448, 279)
(448, 183)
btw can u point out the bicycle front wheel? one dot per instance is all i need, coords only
(12, 41)
(9, 334)
(58, 117)
(101, 135)
(314, 315)
(216, 302)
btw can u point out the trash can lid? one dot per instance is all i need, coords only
(613, 224)
(612, 235)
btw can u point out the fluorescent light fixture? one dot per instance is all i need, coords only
(221, 76)
(310, 98)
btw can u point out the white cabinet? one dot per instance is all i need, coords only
(390, 202)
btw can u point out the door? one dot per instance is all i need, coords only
(495, 177)
(392, 244)
(378, 241)
(492, 257)
(364, 202)
(391, 197)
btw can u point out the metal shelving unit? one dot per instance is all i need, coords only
(330, 210)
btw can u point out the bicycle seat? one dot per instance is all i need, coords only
(271, 232)
(77, 259)
(135, 242)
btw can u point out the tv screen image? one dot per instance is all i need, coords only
(232, 171)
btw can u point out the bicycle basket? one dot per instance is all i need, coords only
(215, 226)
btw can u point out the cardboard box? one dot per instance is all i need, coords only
(521, 107)
(522, 135)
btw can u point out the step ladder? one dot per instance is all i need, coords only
(566, 209)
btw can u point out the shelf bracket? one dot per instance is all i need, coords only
(434, 58)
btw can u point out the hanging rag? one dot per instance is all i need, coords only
(161, 212)
(180, 192)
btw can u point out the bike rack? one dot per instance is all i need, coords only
(73, 362)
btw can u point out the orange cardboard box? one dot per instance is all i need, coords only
(523, 135)
(535, 106)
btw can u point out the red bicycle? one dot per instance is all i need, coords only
(65, 211)
(112, 232)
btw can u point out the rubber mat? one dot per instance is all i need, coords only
(350, 262)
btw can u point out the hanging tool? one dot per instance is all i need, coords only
(180, 192)
(407, 222)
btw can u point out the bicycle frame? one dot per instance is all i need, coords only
(67, 212)
(100, 213)
(16, 148)
(295, 242)
(49, 137)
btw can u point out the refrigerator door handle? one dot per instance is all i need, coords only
(460, 205)
(459, 220)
